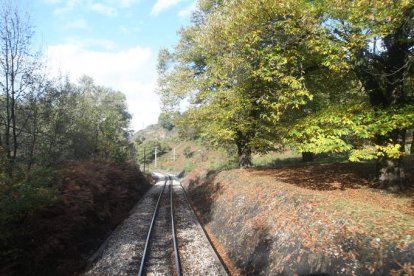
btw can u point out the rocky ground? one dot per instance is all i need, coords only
(305, 219)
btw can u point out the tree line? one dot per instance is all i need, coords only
(45, 124)
(45, 121)
(314, 76)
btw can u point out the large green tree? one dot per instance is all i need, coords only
(242, 66)
(318, 76)
(373, 40)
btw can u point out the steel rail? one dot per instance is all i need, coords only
(144, 254)
(174, 235)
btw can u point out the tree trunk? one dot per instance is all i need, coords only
(244, 151)
(391, 174)
(7, 127)
(10, 165)
(14, 125)
(390, 171)
(8, 117)
(307, 156)
(245, 157)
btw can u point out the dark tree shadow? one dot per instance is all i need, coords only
(257, 260)
(324, 177)
(202, 192)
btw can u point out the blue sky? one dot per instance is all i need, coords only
(114, 41)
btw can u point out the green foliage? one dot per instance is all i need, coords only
(39, 190)
(319, 76)
(189, 166)
(167, 119)
(82, 121)
(147, 149)
(354, 128)
(240, 81)
(188, 153)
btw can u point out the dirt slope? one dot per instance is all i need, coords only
(303, 220)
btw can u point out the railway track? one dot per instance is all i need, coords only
(161, 239)
(162, 236)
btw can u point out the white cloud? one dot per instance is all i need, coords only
(106, 7)
(161, 5)
(187, 11)
(103, 9)
(131, 71)
(129, 29)
(66, 6)
(51, 1)
(99, 44)
(77, 24)
(126, 3)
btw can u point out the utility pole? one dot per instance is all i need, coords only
(155, 160)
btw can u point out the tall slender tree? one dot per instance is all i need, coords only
(18, 65)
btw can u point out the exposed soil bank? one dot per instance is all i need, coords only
(304, 220)
(94, 197)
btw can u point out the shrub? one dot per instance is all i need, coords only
(19, 200)
(188, 153)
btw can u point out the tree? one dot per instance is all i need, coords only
(240, 81)
(81, 121)
(166, 119)
(317, 76)
(374, 40)
(18, 71)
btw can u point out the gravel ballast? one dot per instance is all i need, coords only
(121, 253)
(196, 252)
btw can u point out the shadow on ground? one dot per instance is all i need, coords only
(324, 176)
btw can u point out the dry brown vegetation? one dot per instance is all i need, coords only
(94, 197)
(305, 219)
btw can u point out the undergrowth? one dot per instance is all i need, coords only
(52, 219)
(37, 190)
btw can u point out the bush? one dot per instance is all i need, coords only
(51, 220)
(188, 153)
(19, 200)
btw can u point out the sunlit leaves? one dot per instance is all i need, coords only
(288, 73)
(350, 129)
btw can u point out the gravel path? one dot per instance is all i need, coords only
(122, 251)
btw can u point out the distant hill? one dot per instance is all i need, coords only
(155, 132)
